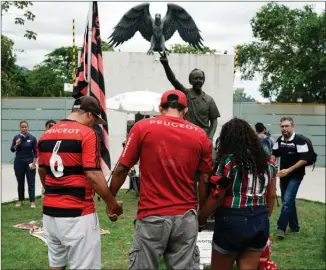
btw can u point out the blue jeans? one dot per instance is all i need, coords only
(289, 189)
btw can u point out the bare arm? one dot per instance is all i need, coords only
(299, 164)
(98, 183)
(271, 196)
(170, 75)
(42, 174)
(91, 151)
(203, 189)
(118, 178)
(210, 206)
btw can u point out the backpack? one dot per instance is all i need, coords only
(267, 145)
(312, 154)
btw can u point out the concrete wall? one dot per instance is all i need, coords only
(124, 72)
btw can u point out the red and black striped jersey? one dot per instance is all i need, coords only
(67, 150)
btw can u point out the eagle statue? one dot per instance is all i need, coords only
(156, 30)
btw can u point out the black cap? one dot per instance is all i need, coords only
(90, 104)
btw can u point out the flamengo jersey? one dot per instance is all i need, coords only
(66, 151)
(249, 191)
(170, 151)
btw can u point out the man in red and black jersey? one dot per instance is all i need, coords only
(171, 151)
(70, 170)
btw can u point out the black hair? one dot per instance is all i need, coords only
(237, 138)
(196, 69)
(172, 102)
(260, 127)
(50, 122)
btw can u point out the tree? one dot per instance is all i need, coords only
(289, 53)
(8, 58)
(180, 48)
(106, 47)
(43, 81)
(20, 19)
(61, 61)
(12, 77)
(240, 96)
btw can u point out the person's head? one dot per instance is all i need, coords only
(87, 111)
(197, 79)
(173, 103)
(49, 124)
(23, 126)
(287, 126)
(260, 128)
(239, 139)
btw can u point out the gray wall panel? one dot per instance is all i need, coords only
(309, 120)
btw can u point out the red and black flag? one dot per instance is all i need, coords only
(96, 81)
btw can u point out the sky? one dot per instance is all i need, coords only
(223, 26)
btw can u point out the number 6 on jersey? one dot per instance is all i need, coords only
(56, 163)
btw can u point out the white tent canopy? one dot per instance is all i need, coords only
(144, 102)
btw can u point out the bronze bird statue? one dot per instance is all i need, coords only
(156, 30)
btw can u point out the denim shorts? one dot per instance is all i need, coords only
(240, 229)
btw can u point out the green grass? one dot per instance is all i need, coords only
(304, 250)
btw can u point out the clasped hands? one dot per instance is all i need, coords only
(284, 172)
(114, 211)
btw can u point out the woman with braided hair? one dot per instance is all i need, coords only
(243, 190)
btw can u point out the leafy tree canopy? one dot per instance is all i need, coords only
(240, 96)
(180, 48)
(20, 19)
(289, 53)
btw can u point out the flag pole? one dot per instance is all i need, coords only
(89, 47)
(73, 53)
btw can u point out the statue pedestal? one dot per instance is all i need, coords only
(204, 243)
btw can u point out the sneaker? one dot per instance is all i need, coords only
(293, 231)
(19, 204)
(33, 205)
(280, 233)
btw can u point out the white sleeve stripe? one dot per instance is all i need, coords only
(275, 146)
(302, 148)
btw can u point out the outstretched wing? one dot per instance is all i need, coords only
(178, 19)
(136, 19)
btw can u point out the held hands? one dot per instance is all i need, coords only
(115, 211)
(284, 172)
(32, 166)
(18, 141)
